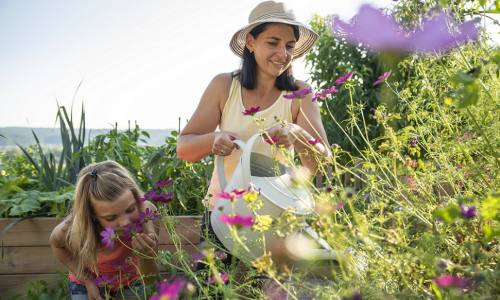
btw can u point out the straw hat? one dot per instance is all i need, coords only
(274, 12)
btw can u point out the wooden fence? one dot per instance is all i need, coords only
(26, 254)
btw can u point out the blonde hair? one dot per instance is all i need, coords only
(103, 181)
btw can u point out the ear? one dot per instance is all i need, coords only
(250, 42)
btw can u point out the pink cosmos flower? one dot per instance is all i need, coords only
(380, 32)
(251, 111)
(447, 280)
(343, 78)
(382, 78)
(108, 237)
(298, 93)
(170, 290)
(321, 95)
(223, 275)
(313, 142)
(234, 194)
(237, 220)
(272, 140)
(163, 183)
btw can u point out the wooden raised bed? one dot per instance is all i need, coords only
(26, 254)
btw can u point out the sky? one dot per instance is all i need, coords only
(140, 61)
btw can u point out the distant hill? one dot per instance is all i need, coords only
(50, 137)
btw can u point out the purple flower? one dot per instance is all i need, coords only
(104, 280)
(382, 78)
(157, 197)
(321, 95)
(343, 78)
(356, 296)
(223, 276)
(163, 183)
(147, 215)
(468, 212)
(237, 220)
(251, 111)
(379, 32)
(131, 230)
(298, 93)
(447, 280)
(170, 290)
(108, 237)
(413, 141)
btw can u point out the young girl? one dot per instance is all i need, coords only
(107, 207)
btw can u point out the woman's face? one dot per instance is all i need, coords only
(118, 213)
(273, 48)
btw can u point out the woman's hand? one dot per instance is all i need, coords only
(282, 134)
(223, 143)
(92, 290)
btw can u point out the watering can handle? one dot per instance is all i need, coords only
(246, 152)
(220, 165)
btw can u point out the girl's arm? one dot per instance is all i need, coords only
(57, 242)
(147, 244)
(197, 138)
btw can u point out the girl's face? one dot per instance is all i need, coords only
(118, 213)
(273, 48)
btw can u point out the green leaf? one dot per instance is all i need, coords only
(468, 95)
(448, 214)
(462, 77)
(490, 208)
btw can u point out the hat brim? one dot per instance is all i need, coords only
(307, 37)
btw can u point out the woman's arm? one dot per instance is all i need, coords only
(307, 127)
(197, 138)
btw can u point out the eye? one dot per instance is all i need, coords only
(130, 209)
(272, 43)
(110, 219)
(290, 47)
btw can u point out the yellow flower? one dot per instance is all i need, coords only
(263, 263)
(262, 223)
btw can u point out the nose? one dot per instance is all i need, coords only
(124, 221)
(283, 53)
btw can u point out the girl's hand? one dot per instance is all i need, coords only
(284, 135)
(223, 143)
(92, 291)
(146, 244)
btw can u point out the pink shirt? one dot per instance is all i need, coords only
(118, 267)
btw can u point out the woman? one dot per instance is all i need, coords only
(267, 46)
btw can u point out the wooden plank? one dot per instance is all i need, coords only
(36, 232)
(13, 284)
(30, 260)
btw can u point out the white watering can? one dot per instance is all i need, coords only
(278, 193)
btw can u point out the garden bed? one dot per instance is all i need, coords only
(26, 255)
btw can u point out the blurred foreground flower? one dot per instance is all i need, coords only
(170, 290)
(382, 78)
(380, 32)
(237, 220)
(452, 281)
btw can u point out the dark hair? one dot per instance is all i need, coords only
(248, 72)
